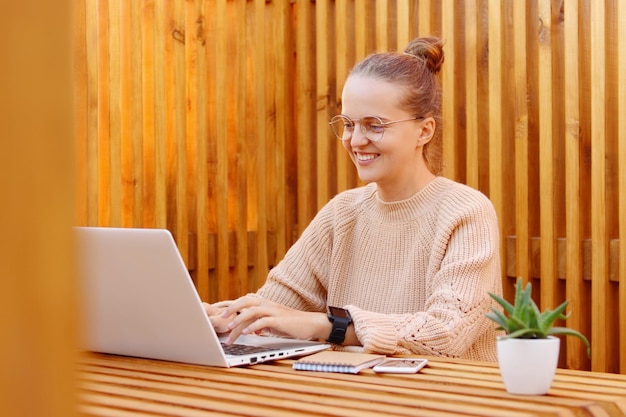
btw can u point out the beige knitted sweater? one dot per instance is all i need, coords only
(414, 274)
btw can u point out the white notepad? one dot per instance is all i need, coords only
(338, 361)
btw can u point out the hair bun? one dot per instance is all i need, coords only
(428, 49)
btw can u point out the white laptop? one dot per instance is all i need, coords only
(139, 300)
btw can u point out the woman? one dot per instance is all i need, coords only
(408, 260)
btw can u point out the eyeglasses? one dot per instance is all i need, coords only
(372, 127)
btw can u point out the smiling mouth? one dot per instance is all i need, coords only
(366, 156)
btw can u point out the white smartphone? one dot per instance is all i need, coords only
(400, 365)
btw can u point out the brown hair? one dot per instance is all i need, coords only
(417, 70)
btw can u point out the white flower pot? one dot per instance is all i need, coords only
(528, 366)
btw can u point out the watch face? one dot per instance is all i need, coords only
(338, 312)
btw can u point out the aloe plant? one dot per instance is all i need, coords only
(524, 320)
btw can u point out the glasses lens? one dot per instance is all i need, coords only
(373, 128)
(342, 127)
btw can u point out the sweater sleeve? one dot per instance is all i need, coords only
(454, 317)
(300, 280)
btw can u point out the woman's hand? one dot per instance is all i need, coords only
(248, 315)
(214, 311)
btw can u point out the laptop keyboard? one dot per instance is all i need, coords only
(236, 349)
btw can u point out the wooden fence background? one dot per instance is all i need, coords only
(209, 118)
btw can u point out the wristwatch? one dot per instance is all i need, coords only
(340, 318)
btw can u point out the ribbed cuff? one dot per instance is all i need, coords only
(375, 331)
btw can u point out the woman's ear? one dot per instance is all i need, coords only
(427, 130)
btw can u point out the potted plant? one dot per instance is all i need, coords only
(528, 353)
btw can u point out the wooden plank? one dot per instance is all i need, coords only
(424, 16)
(520, 79)
(470, 66)
(382, 25)
(81, 112)
(343, 63)
(573, 259)
(103, 133)
(448, 91)
(191, 127)
(127, 160)
(136, 114)
(495, 115)
(621, 138)
(217, 117)
(240, 132)
(283, 81)
(546, 157)
(326, 143)
(403, 13)
(599, 277)
(160, 133)
(196, 25)
(175, 127)
(115, 185)
(303, 41)
(148, 152)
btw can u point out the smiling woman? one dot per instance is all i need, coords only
(402, 265)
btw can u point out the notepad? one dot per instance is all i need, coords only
(338, 361)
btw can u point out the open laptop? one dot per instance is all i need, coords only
(139, 300)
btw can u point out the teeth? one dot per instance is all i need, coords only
(365, 156)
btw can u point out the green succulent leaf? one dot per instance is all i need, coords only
(524, 320)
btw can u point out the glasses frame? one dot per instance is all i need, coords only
(364, 131)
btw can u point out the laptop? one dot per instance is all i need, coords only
(139, 300)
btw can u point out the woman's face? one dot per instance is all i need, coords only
(395, 162)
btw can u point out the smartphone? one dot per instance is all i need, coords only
(400, 365)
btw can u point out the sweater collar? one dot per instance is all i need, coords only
(406, 210)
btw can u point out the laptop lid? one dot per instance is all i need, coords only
(139, 300)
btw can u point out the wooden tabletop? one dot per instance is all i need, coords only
(120, 386)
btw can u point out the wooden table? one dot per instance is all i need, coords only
(120, 386)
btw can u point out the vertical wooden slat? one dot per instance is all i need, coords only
(495, 114)
(127, 167)
(303, 11)
(621, 137)
(191, 134)
(471, 92)
(403, 18)
(136, 112)
(546, 157)
(448, 90)
(217, 114)
(148, 142)
(424, 18)
(272, 152)
(176, 142)
(114, 113)
(344, 165)
(81, 112)
(382, 22)
(573, 256)
(93, 103)
(103, 133)
(160, 141)
(241, 228)
(205, 87)
(284, 116)
(363, 19)
(521, 141)
(326, 145)
(599, 249)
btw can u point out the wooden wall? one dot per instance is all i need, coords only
(209, 118)
(39, 336)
